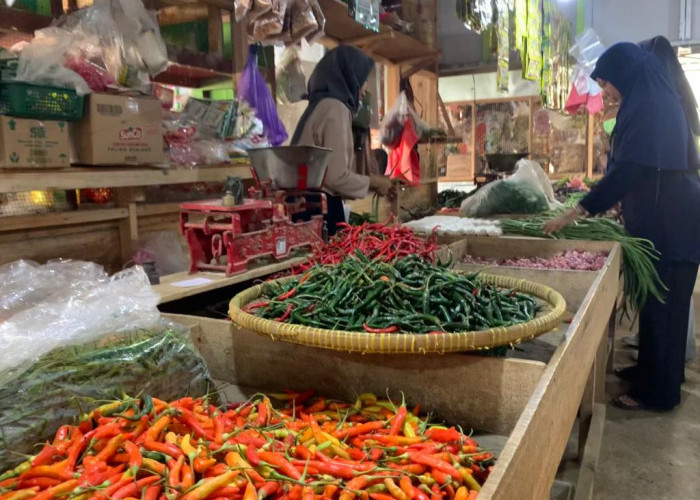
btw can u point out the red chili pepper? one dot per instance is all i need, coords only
(45, 456)
(287, 295)
(398, 420)
(388, 329)
(286, 314)
(256, 305)
(152, 492)
(267, 489)
(135, 487)
(444, 435)
(475, 292)
(166, 448)
(360, 429)
(263, 413)
(434, 463)
(252, 456)
(135, 458)
(278, 460)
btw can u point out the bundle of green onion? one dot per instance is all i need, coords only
(638, 255)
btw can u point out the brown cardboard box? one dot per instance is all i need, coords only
(119, 130)
(33, 143)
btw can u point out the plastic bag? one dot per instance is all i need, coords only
(241, 8)
(270, 25)
(403, 164)
(41, 62)
(92, 341)
(320, 21)
(587, 49)
(527, 191)
(302, 20)
(394, 121)
(291, 82)
(165, 248)
(24, 283)
(253, 90)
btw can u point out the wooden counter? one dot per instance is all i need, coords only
(169, 292)
(535, 404)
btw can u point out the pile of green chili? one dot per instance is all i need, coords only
(408, 295)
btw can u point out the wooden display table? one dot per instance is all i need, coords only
(533, 404)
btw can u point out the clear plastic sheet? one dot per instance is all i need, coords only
(90, 342)
(527, 191)
(24, 283)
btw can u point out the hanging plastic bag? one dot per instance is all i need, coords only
(404, 164)
(291, 82)
(393, 123)
(527, 191)
(253, 90)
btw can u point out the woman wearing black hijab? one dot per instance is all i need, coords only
(655, 175)
(335, 90)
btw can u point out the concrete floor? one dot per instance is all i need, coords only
(648, 455)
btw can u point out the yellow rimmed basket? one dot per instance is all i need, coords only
(547, 319)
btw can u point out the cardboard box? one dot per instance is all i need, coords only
(33, 143)
(119, 130)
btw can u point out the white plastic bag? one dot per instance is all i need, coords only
(41, 62)
(291, 82)
(527, 191)
(166, 249)
(393, 123)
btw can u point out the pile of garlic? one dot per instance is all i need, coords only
(450, 225)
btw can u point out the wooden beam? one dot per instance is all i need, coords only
(128, 234)
(239, 46)
(168, 16)
(591, 453)
(446, 117)
(376, 37)
(473, 141)
(22, 21)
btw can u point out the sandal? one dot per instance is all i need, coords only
(627, 402)
(628, 373)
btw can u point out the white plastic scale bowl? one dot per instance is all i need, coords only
(290, 167)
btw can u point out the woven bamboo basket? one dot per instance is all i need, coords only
(403, 343)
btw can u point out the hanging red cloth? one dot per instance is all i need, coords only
(403, 164)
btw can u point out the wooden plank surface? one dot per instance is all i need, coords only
(168, 292)
(446, 384)
(394, 47)
(533, 452)
(95, 177)
(23, 222)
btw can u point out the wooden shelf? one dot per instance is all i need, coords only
(182, 75)
(169, 293)
(12, 181)
(388, 45)
(54, 219)
(442, 140)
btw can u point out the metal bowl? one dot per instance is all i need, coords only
(504, 162)
(290, 167)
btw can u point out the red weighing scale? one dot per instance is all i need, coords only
(223, 236)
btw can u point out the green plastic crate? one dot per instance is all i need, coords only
(25, 100)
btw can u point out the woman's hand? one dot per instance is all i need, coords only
(561, 222)
(382, 186)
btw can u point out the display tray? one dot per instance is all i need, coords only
(551, 314)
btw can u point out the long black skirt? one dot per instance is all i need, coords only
(663, 331)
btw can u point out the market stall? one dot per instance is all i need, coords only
(423, 360)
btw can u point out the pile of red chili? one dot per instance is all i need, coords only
(384, 242)
(312, 449)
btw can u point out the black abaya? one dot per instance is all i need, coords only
(663, 331)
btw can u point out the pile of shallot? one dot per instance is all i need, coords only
(575, 260)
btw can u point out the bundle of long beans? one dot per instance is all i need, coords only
(641, 279)
(407, 295)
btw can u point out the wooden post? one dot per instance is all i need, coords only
(473, 144)
(590, 132)
(392, 83)
(531, 102)
(215, 30)
(239, 46)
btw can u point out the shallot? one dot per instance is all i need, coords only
(576, 260)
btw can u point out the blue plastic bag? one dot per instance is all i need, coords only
(253, 90)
